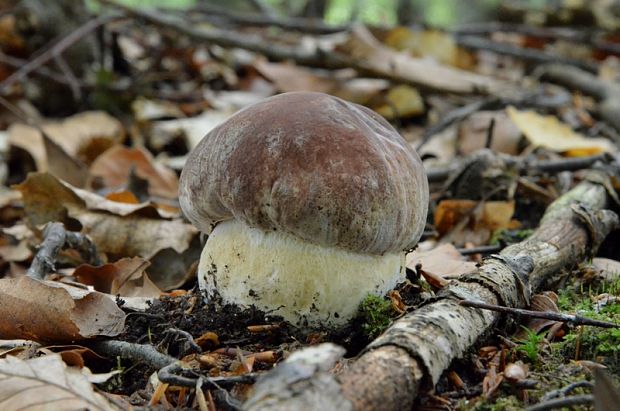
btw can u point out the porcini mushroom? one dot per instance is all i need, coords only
(316, 201)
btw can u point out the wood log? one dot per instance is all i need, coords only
(415, 350)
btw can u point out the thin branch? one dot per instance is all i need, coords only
(58, 48)
(567, 318)
(586, 399)
(171, 374)
(142, 353)
(290, 23)
(72, 81)
(527, 54)
(55, 239)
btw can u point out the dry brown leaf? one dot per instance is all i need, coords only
(483, 219)
(290, 77)
(46, 383)
(606, 391)
(148, 110)
(47, 311)
(126, 277)
(473, 131)
(113, 168)
(134, 230)
(192, 129)
(545, 302)
(83, 136)
(552, 134)
(443, 261)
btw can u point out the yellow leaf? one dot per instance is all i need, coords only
(552, 134)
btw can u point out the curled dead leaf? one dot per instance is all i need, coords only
(112, 170)
(126, 277)
(47, 311)
(32, 383)
(116, 228)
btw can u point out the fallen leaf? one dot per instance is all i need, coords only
(490, 216)
(83, 136)
(473, 131)
(290, 77)
(552, 134)
(543, 303)
(606, 392)
(133, 229)
(76, 355)
(443, 261)
(126, 277)
(148, 110)
(113, 168)
(47, 311)
(192, 129)
(37, 383)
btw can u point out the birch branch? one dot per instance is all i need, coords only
(412, 354)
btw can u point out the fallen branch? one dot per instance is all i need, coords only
(302, 24)
(417, 348)
(565, 318)
(55, 239)
(584, 399)
(361, 51)
(527, 54)
(437, 174)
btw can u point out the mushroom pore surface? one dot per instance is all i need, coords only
(307, 172)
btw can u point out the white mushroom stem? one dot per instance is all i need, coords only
(286, 276)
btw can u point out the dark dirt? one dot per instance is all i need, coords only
(190, 313)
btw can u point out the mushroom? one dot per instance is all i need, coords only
(314, 200)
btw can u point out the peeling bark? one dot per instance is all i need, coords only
(416, 349)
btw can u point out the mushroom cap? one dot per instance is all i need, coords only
(312, 165)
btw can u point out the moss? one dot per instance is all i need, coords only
(504, 403)
(376, 315)
(592, 343)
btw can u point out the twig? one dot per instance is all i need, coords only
(58, 48)
(585, 399)
(479, 43)
(170, 374)
(190, 344)
(42, 71)
(567, 318)
(135, 352)
(224, 38)
(55, 239)
(290, 23)
(71, 79)
(43, 262)
(562, 392)
(483, 249)
(547, 166)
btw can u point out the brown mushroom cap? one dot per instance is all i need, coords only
(328, 171)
